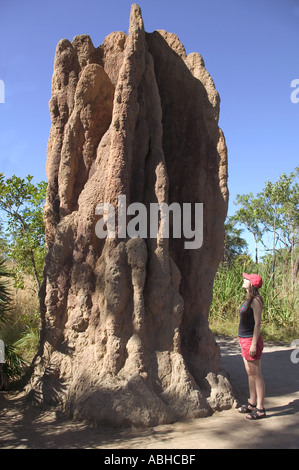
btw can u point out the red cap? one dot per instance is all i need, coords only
(255, 279)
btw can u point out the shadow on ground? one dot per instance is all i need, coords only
(23, 425)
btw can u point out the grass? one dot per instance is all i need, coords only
(22, 325)
(16, 318)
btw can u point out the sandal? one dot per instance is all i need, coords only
(255, 414)
(246, 409)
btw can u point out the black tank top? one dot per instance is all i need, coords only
(246, 325)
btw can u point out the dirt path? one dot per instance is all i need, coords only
(26, 427)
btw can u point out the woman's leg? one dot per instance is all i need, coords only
(251, 383)
(256, 382)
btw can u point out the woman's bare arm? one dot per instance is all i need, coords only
(257, 312)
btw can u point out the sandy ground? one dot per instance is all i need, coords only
(25, 427)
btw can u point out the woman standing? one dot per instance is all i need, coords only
(251, 342)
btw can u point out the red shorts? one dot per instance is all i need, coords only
(245, 344)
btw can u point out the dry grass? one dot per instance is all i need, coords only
(22, 324)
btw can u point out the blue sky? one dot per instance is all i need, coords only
(250, 48)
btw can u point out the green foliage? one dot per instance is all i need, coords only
(280, 319)
(22, 203)
(22, 242)
(14, 365)
(272, 217)
(274, 211)
(234, 244)
(281, 302)
(28, 326)
(28, 342)
(228, 295)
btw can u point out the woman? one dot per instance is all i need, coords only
(252, 345)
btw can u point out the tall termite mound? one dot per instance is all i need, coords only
(125, 337)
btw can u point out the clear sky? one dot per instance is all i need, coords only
(250, 48)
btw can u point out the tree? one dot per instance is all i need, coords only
(2, 240)
(234, 244)
(22, 203)
(249, 215)
(280, 201)
(291, 224)
(274, 211)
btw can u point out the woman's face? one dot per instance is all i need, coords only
(246, 284)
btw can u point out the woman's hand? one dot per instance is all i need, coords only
(252, 350)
